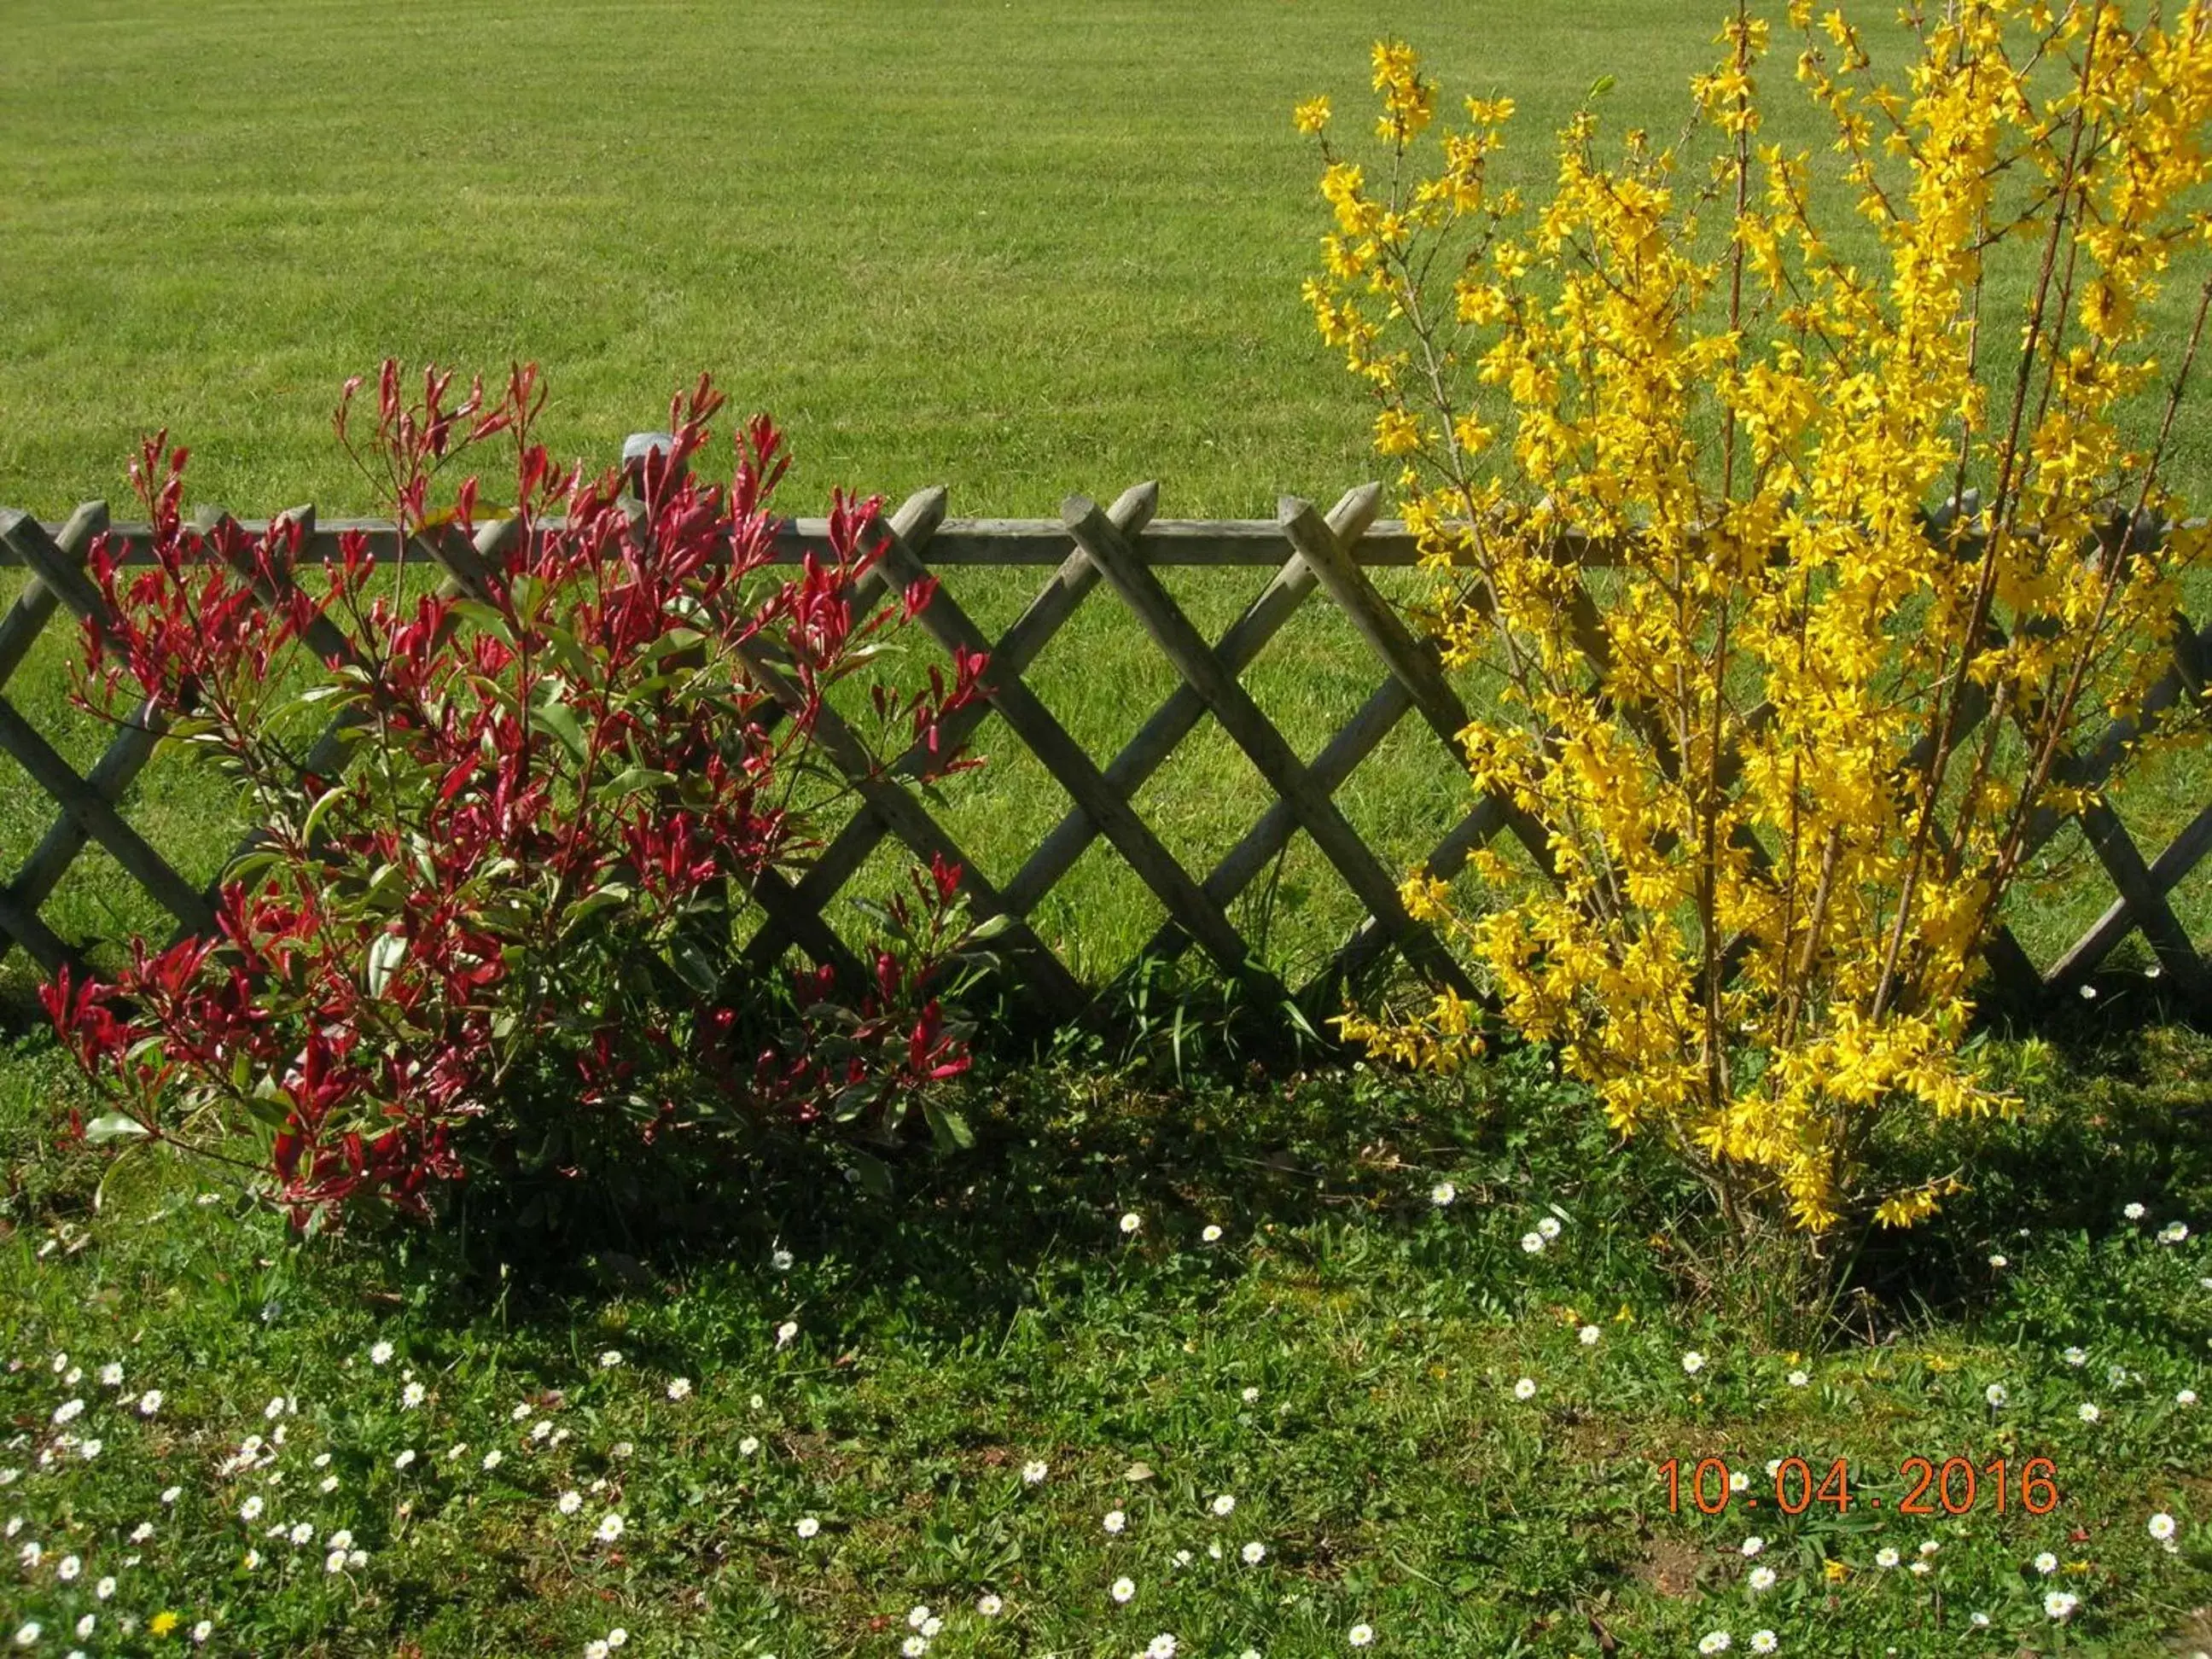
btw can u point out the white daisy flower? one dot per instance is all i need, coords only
(1253, 1554)
(1694, 1362)
(1122, 1588)
(1443, 1194)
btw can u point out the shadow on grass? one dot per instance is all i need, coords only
(1186, 1121)
(2117, 1109)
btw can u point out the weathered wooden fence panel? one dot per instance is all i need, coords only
(1122, 546)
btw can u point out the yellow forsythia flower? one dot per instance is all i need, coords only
(1755, 858)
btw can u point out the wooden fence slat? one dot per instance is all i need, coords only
(1449, 857)
(32, 884)
(120, 763)
(1374, 720)
(925, 838)
(1414, 663)
(1016, 648)
(28, 538)
(911, 822)
(27, 617)
(2182, 855)
(1177, 717)
(1075, 772)
(52, 774)
(23, 925)
(1255, 735)
(2124, 862)
(801, 923)
(1230, 542)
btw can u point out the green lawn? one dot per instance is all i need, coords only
(1015, 249)
(1344, 1362)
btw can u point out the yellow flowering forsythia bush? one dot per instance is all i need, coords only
(1789, 747)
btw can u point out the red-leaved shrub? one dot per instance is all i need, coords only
(493, 925)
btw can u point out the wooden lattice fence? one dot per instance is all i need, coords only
(1123, 546)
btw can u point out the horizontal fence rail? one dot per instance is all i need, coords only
(1120, 548)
